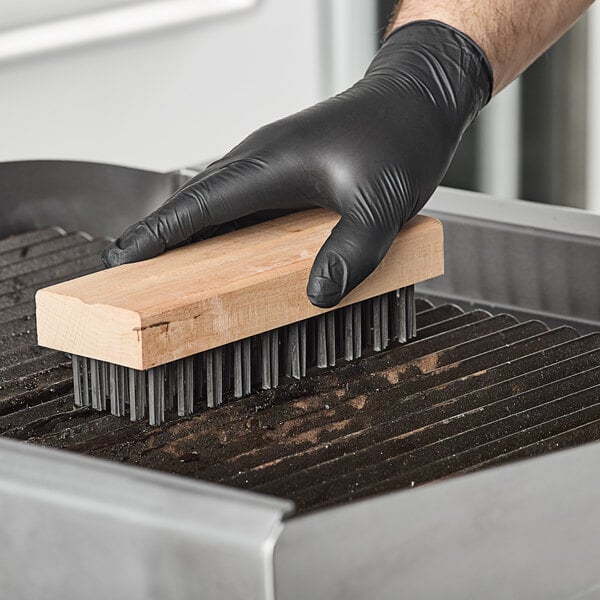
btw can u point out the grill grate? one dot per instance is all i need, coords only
(473, 390)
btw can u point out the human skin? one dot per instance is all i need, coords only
(512, 33)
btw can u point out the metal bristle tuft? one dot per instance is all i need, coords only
(233, 371)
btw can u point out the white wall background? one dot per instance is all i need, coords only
(171, 96)
(81, 79)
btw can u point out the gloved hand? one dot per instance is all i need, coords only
(374, 154)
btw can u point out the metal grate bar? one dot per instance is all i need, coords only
(463, 451)
(22, 240)
(433, 438)
(351, 417)
(33, 280)
(83, 249)
(41, 248)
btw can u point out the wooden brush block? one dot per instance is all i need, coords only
(216, 291)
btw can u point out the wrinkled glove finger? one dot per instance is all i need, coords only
(219, 195)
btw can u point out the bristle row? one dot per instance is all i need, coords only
(208, 379)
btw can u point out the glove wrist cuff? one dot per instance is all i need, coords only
(443, 60)
(477, 50)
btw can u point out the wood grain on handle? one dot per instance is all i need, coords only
(216, 291)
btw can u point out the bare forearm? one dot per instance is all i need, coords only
(512, 33)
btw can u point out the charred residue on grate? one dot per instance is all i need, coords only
(473, 390)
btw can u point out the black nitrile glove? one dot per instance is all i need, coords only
(374, 154)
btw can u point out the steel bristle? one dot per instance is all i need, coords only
(207, 380)
(77, 394)
(238, 388)
(85, 381)
(113, 391)
(321, 341)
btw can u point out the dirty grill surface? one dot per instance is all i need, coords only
(473, 390)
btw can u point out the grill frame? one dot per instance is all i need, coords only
(525, 529)
(477, 533)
